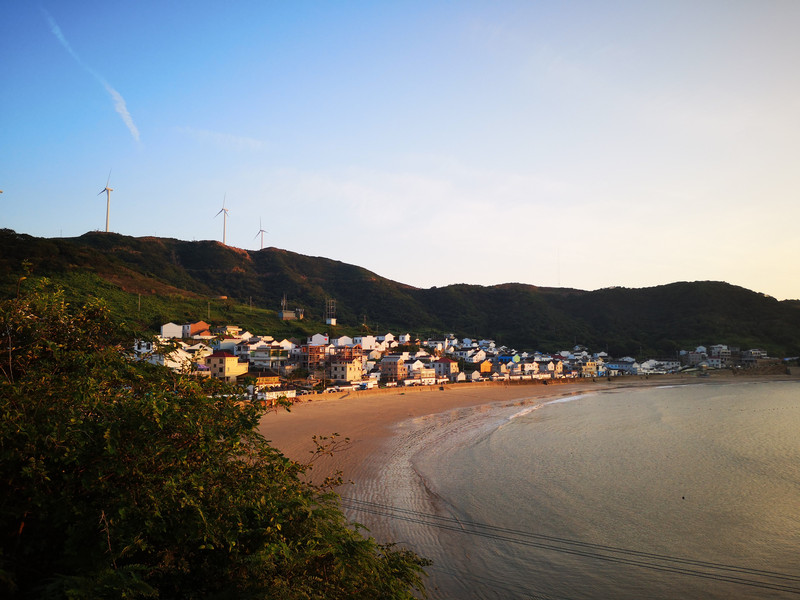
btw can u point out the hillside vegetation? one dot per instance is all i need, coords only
(121, 479)
(149, 281)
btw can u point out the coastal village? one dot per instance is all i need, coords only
(272, 368)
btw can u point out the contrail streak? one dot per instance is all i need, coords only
(122, 110)
(119, 101)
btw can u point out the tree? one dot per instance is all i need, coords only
(124, 480)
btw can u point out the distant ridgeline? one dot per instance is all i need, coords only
(150, 281)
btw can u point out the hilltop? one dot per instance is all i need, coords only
(149, 281)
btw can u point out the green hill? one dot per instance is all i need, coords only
(150, 281)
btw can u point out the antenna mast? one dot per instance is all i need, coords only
(330, 312)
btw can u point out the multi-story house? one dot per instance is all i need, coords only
(508, 357)
(347, 370)
(424, 375)
(625, 365)
(753, 357)
(313, 357)
(693, 358)
(393, 368)
(199, 328)
(224, 365)
(471, 355)
(437, 346)
(445, 367)
(342, 341)
(232, 330)
(345, 353)
(264, 378)
(228, 343)
(246, 347)
(367, 342)
(589, 368)
(269, 356)
(388, 338)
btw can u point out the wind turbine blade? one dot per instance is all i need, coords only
(101, 191)
(256, 235)
(216, 215)
(109, 177)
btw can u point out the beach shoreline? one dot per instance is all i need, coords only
(392, 431)
(369, 418)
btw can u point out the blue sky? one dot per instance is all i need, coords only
(573, 144)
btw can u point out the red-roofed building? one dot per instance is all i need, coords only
(224, 365)
(445, 367)
(197, 328)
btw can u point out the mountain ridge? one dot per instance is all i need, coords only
(657, 319)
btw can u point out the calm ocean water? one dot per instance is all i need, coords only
(680, 492)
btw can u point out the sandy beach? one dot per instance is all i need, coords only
(389, 432)
(370, 418)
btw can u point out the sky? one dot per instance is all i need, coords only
(559, 144)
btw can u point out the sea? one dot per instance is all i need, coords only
(685, 491)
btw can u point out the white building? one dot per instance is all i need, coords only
(171, 330)
(319, 339)
(342, 341)
(347, 370)
(176, 358)
(368, 342)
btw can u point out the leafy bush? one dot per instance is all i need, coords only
(124, 480)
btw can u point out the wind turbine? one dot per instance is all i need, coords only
(261, 231)
(108, 191)
(224, 218)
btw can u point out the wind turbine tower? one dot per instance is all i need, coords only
(261, 231)
(224, 212)
(108, 191)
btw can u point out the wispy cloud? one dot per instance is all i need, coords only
(119, 102)
(224, 140)
(122, 110)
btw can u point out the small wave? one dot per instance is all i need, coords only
(567, 399)
(529, 409)
(525, 411)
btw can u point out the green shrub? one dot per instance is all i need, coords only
(123, 480)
